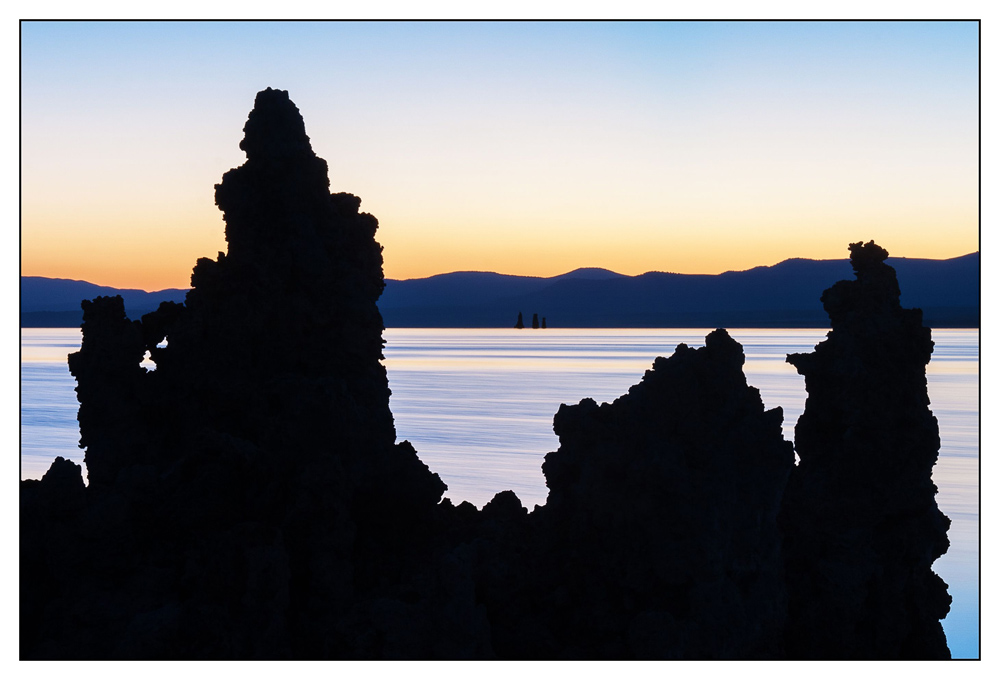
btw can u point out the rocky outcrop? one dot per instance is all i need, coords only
(252, 480)
(248, 498)
(659, 534)
(860, 521)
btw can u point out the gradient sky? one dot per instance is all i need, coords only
(523, 148)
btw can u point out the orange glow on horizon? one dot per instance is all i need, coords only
(155, 259)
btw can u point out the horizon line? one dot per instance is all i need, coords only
(531, 276)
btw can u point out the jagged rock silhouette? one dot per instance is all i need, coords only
(261, 452)
(660, 532)
(860, 521)
(248, 498)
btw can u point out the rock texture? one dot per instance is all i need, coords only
(860, 521)
(248, 498)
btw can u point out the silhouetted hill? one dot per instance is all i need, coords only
(589, 273)
(55, 303)
(785, 294)
(782, 295)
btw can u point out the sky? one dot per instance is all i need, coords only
(528, 148)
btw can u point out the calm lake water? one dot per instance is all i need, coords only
(478, 404)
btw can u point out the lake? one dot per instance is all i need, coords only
(478, 405)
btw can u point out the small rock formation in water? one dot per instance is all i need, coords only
(247, 499)
(520, 322)
(543, 323)
(859, 518)
(534, 321)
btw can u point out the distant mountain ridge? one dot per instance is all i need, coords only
(781, 295)
(55, 303)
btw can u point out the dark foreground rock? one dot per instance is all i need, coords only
(660, 532)
(248, 498)
(860, 521)
(251, 484)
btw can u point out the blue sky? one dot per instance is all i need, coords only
(521, 147)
